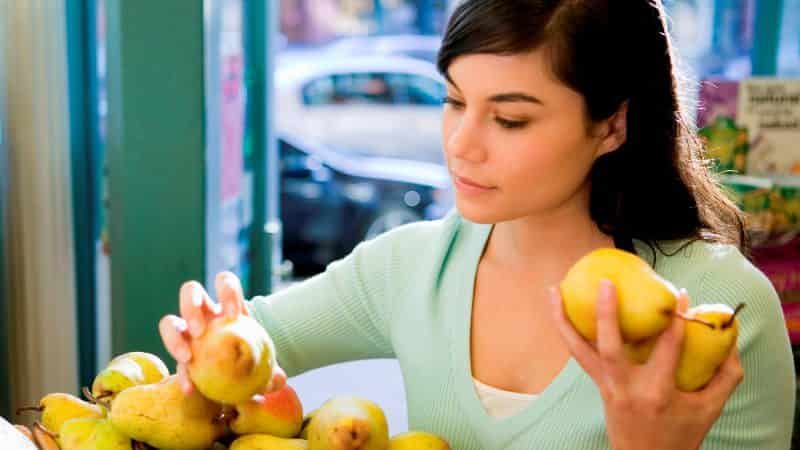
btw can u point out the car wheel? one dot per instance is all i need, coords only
(387, 219)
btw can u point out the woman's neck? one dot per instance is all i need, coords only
(556, 238)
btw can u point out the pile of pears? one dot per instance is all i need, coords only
(646, 306)
(136, 404)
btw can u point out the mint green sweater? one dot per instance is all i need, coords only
(407, 294)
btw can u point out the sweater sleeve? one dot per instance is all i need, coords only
(759, 414)
(339, 315)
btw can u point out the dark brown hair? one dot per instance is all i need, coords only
(656, 186)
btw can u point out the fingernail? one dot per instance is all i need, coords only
(184, 355)
(197, 297)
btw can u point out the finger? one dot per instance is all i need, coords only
(580, 349)
(609, 339)
(229, 292)
(175, 335)
(278, 380)
(196, 307)
(727, 379)
(667, 350)
(183, 379)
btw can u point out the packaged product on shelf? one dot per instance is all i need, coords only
(753, 195)
(770, 110)
(726, 145)
(785, 206)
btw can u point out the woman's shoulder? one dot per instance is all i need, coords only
(715, 273)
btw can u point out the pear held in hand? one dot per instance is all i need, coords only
(646, 302)
(58, 407)
(417, 440)
(348, 423)
(232, 360)
(162, 416)
(91, 434)
(268, 442)
(278, 413)
(709, 336)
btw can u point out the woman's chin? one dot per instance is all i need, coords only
(477, 213)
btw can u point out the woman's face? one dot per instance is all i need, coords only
(510, 126)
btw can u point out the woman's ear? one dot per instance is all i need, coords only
(616, 131)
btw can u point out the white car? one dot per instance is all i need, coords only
(386, 106)
(424, 47)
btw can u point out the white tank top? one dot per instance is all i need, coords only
(500, 403)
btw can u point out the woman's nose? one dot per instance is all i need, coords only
(464, 141)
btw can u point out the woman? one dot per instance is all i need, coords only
(563, 134)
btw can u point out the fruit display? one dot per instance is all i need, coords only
(647, 304)
(136, 404)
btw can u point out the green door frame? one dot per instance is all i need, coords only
(86, 157)
(156, 163)
(260, 31)
(156, 153)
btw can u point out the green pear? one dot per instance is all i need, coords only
(417, 440)
(162, 416)
(153, 368)
(709, 335)
(348, 423)
(91, 434)
(119, 374)
(268, 442)
(646, 302)
(59, 407)
(232, 360)
(278, 413)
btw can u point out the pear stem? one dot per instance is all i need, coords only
(88, 394)
(29, 408)
(99, 400)
(44, 430)
(739, 307)
(226, 416)
(694, 319)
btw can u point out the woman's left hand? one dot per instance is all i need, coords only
(643, 407)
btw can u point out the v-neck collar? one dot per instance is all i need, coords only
(497, 432)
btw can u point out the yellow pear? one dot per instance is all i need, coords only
(268, 442)
(153, 368)
(417, 440)
(709, 336)
(91, 434)
(59, 407)
(118, 375)
(232, 360)
(348, 423)
(646, 301)
(162, 416)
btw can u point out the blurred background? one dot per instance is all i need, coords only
(145, 143)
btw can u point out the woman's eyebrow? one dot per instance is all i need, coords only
(505, 96)
(515, 97)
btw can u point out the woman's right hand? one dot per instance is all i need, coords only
(197, 311)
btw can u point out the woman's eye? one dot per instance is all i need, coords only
(453, 102)
(511, 124)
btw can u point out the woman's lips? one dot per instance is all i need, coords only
(466, 185)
